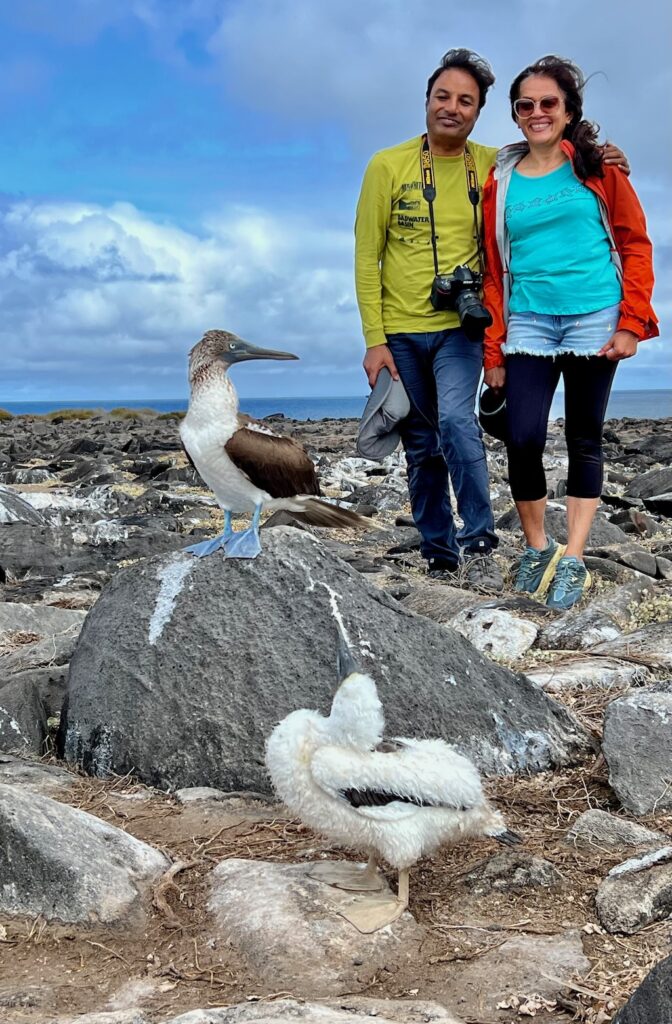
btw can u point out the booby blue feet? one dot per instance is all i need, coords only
(245, 544)
(207, 547)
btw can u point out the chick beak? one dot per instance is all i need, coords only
(345, 662)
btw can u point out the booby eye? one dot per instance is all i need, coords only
(232, 346)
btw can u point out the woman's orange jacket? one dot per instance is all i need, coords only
(631, 251)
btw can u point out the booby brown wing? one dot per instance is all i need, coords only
(275, 464)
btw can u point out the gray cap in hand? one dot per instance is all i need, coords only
(387, 406)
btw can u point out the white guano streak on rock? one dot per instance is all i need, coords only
(333, 601)
(641, 863)
(335, 610)
(172, 577)
(13, 724)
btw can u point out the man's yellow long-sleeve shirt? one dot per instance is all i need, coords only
(394, 265)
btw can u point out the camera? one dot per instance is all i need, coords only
(459, 291)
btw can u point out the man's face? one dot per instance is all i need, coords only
(452, 107)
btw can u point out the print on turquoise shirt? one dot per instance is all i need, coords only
(560, 257)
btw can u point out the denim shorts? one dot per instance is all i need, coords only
(542, 334)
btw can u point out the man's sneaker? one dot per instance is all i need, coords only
(570, 581)
(442, 569)
(481, 572)
(537, 568)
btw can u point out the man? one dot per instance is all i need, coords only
(427, 348)
(438, 364)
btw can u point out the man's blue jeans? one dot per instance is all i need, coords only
(442, 438)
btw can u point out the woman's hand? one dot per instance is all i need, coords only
(621, 345)
(495, 377)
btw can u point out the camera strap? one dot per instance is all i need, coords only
(429, 194)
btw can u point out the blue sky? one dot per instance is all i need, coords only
(170, 166)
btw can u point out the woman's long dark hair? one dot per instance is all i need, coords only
(582, 134)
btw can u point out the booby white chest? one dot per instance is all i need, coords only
(211, 421)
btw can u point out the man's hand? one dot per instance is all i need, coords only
(611, 154)
(621, 345)
(495, 378)
(375, 359)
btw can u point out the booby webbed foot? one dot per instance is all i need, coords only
(343, 874)
(369, 912)
(207, 547)
(245, 544)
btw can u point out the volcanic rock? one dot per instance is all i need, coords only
(185, 665)
(652, 1001)
(287, 927)
(66, 865)
(637, 745)
(637, 892)
(608, 831)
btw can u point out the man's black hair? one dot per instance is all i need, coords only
(473, 64)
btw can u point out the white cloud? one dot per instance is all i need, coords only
(102, 293)
(103, 298)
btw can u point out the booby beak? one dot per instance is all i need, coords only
(345, 662)
(238, 351)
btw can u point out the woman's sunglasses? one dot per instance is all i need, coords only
(525, 108)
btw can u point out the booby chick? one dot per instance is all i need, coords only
(247, 466)
(399, 799)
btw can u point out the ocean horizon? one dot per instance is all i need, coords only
(642, 404)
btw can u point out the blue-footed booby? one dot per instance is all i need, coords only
(398, 799)
(247, 466)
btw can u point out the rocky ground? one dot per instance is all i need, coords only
(169, 886)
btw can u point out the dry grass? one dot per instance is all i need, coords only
(178, 414)
(459, 925)
(124, 413)
(11, 641)
(57, 415)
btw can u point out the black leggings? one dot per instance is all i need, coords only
(530, 385)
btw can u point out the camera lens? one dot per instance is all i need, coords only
(473, 315)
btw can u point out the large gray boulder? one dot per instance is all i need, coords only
(652, 1001)
(637, 745)
(67, 865)
(185, 665)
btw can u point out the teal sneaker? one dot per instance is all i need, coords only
(537, 568)
(571, 580)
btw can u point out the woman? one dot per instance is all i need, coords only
(568, 283)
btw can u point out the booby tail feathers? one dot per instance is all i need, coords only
(321, 513)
